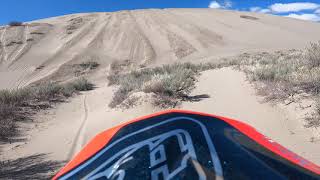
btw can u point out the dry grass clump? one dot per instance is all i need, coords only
(313, 54)
(314, 121)
(89, 65)
(169, 83)
(288, 71)
(19, 104)
(117, 67)
(84, 67)
(285, 74)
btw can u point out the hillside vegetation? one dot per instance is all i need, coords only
(20, 104)
(286, 75)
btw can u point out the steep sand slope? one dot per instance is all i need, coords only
(37, 49)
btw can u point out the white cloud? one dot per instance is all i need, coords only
(255, 9)
(265, 11)
(293, 7)
(227, 3)
(214, 5)
(308, 17)
(317, 11)
(259, 10)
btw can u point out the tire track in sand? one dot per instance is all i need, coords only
(20, 51)
(4, 51)
(79, 139)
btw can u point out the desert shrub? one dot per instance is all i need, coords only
(168, 82)
(292, 69)
(317, 111)
(89, 65)
(68, 90)
(17, 105)
(47, 91)
(15, 97)
(15, 23)
(313, 55)
(117, 67)
(84, 67)
(284, 74)
(119, 96)
(82, 84)
(265, 73)
(314, 121)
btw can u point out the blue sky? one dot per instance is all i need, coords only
(26, 10)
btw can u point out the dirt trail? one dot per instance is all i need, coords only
(231, 95)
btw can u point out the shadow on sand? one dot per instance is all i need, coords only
(31, 167)
(196, 98)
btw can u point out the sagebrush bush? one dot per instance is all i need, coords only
(117, 67)
(89, 65)
(285, 74)
(314, 121)
(313, 55)
(47, 91)
(82, 84)
(16, 105)
(173, 82)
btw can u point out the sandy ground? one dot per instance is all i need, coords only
(149, 37)
(63, 131)
(231, 95)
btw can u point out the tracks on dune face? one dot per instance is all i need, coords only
(149, 53)
(21, 50)
(4, 51)
(79, 139)
(19, 53)
(179, 45)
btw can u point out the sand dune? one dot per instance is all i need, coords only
(143, 36)
(44, 50)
